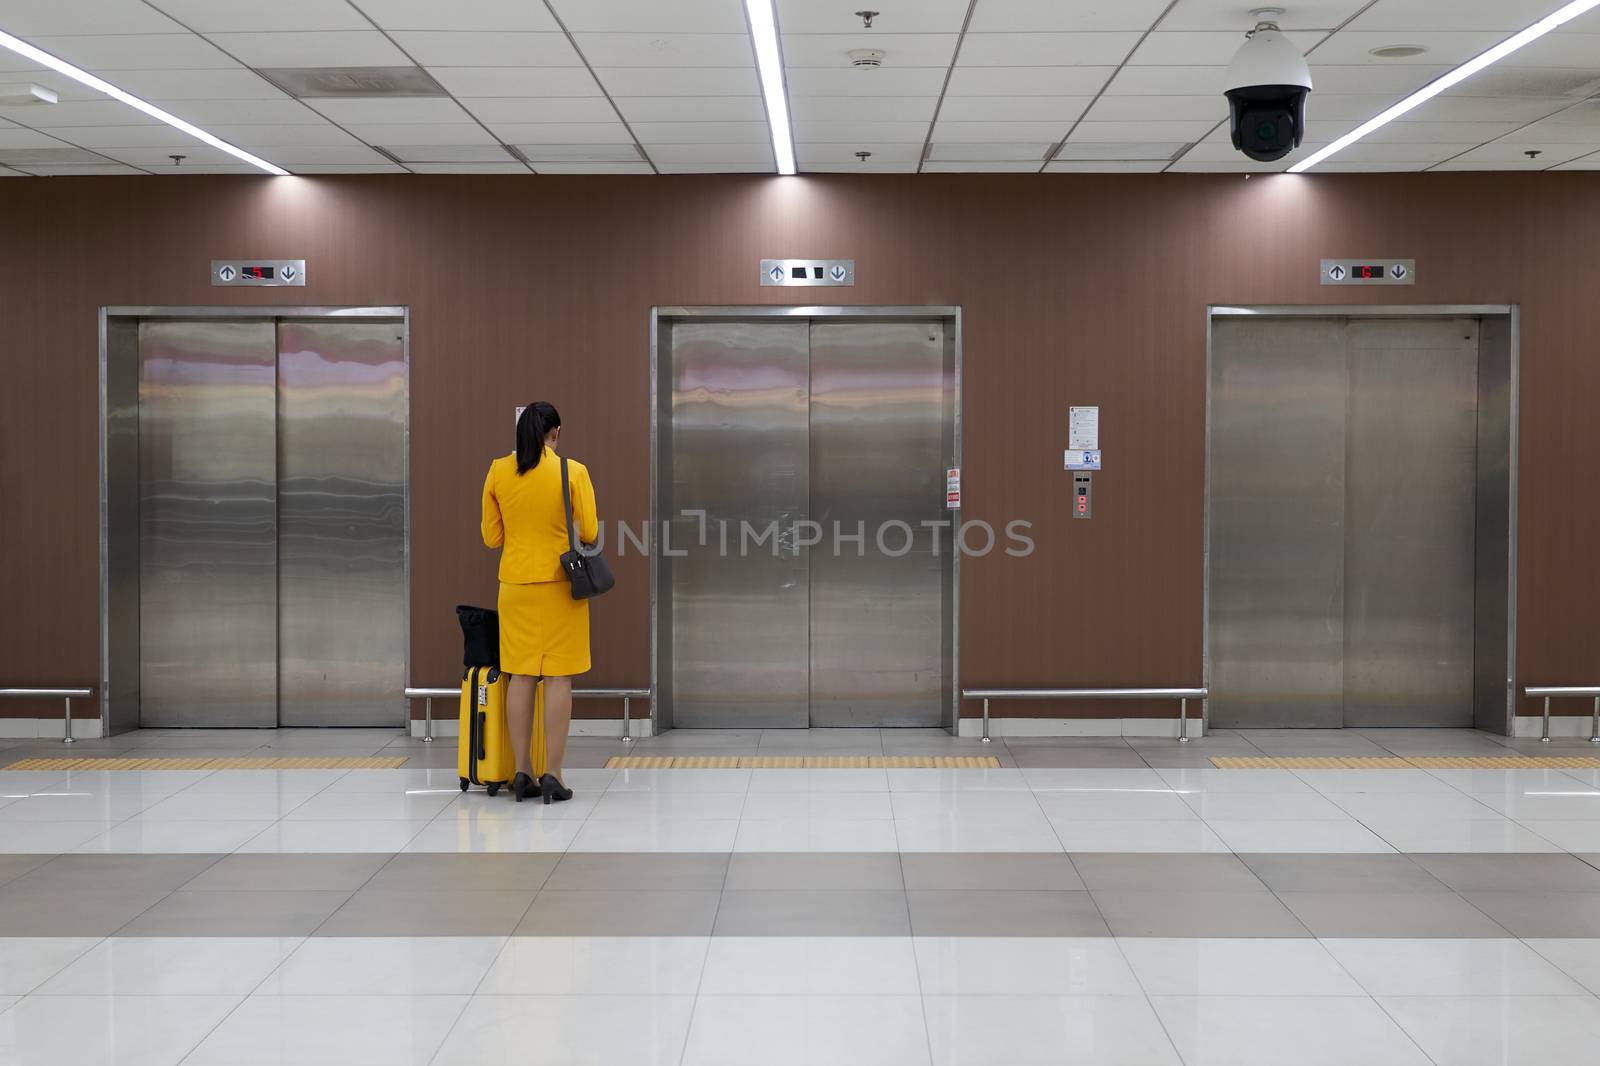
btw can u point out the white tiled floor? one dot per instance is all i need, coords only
(809, 810)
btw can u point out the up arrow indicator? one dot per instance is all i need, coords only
(776, 273)
(1336, 272)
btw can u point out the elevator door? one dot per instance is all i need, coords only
(272, 522)
(1343, 471)
(808, 573)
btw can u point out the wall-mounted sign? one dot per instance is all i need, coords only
(1083, 428)
(952, 488)
(1369, 271)
(258, 271)
(808, 271)
(1082, 459)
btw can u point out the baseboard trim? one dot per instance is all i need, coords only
(49, 728)
(1079, 727)
(580, 727)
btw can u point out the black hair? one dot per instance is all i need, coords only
(537, 421)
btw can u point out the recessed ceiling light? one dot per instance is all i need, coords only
(1554, 20)
(28, 51)
(1398, 51)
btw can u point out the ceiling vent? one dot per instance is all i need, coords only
(1120, 152)
(49, 157)
(579, 153)
(353, 83)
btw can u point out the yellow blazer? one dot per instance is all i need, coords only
(524, 514)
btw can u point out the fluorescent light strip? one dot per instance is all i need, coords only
(28, 51)
(1445, 81)
(764, 32)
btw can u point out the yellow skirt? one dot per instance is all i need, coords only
(544, 632)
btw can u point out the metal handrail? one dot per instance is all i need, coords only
(1550, 692)
(1182, 695)
(626, 695)
(67, 694)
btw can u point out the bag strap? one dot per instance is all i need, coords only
(566, 499)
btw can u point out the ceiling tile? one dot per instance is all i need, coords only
(1105, 166)
(408, 110)
(1013, 132)
(1339, 166)
(16, 137)
(710, 153)
(1027, 81)
(1585, 162)
(880, 132)
(1011, 16)
(716, 168)
(447, 153)
(1367, 78)
(1046, 49)
(986, 166)
(1559, 50)
(209, 16)
(850, 81)
(693, 108)
(351, 168)
(239, 112)
(64, 87)
(1434, 132)
(104, 170)
(1448, 108)
(1333, 106)
(469, 168)
(159, 135)
(338, 48)
(101, 112)
(516, 81)
(545, 154)
(1031, 150)
(666, 49)
(1062, 110)
(1504, 15)
(422, 133)
(1232, 15)
(857, 166)
(1413, 152)
(901, 49)
(1576, 125)
(1182, 131)
(651, 16)
(671, 81)
(863, 108)
(232, 167)
(1138, 150)
(480, 49)
(195, 154)
(234, 83)
(1444, 47)
(1169, 81)
(821, 152)
(1203, 49)
(497, 15)
(294, 156)
(1152, 108)
(163, 51)
(595, 168)
(37, 18)
(839, 16)
(304, 135)
(497, 109)
(1550, 152)
(561, 132)
(702, 132)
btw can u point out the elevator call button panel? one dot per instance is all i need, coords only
(808, 271)
(1369, 272)
(258, 272)
(1082, 495)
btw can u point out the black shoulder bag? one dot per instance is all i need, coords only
(589, 574)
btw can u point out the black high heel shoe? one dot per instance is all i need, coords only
(523, 785)
(554, 791)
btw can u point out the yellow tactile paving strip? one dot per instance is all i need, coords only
(801, 762)
(1395, 762)
(294, 762)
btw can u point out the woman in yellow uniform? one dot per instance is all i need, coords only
(544, 632)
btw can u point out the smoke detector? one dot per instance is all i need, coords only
(24, 95)
(866, 57)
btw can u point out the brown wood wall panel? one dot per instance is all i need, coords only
(1074, 289)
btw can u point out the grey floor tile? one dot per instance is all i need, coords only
(1197, 914)
(1542, 914)
(116, 872)
(638, 872)
(895, 744)
(1415, 915)
(399, 912)
(1433, 741)
(192, 912)
(1512, 873)
(820, 742)
(643, 912)
(776, 871)
(1131, 872)
(14, 866)
(444, 872)
(720, 741)
(71, 912)
(996, 913)
(1065, 742)
(1010, 871)
(290, 872)
(1211, 744)
(812, 913)
(1036, 757)
(1342, 873)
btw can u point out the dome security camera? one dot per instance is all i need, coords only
(1266, 86)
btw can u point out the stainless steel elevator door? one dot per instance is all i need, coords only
(878, 458)
(207, 524)
(1278, 391)
(1411, 462)
(342, 409)
(735, 482)
(1343, 470)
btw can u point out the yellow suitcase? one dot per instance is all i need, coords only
(483, 752)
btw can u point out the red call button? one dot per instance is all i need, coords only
(1083, 504)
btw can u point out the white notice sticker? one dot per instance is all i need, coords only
(1082, 459)
(1083, 428)
(952, 488)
